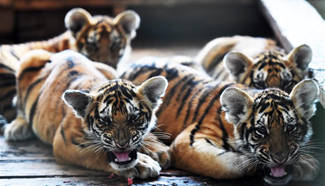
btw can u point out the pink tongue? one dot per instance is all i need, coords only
(278, 172)
(122, 156)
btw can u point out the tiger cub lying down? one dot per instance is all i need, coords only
(90, 118)
(219, 130)
(255, 62)
(100, 38)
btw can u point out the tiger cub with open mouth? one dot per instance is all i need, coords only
(90, 118)
(226, 131)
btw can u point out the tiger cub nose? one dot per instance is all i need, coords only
(280, 157)
(122, 144)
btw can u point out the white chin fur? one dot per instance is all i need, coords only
(123, 167)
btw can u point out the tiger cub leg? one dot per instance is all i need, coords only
(306, 168)
(156, 150)
(205, 157)
(18, 129)
(69, 147)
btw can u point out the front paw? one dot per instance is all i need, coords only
(306, 168)
(146, 167)
(17, 130)
(161, 155)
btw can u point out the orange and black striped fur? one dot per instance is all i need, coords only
(255, 62)
(90, 118)
(220, 131)
(100, 38)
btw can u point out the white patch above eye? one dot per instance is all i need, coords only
(289, 117)
(260, 75)
(114, 34)
(286, 75)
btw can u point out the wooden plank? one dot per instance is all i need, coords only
(162, 180)
(39, 168)
(27, 150)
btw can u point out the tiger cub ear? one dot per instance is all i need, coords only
(76, 19)
(78, 100)
(153, 89)
(300, 56)
(237, 64)
(236, 104)
(304, 95)
(129, 20)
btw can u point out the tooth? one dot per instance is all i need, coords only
(129, 159)
(116, 160)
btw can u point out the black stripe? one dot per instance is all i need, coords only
(186, 84)
(73, 141)
(264, 106)
(216, 61)
(6, 67)
(8, 83)
(225, 136)
(32, 110)
(208, 141)
(7, 76)
(171, 93)
(63, 135)
(242, 131)
(30, 88)
(189, 106)
(206, 111)
(171, 73)
(9, 94)
(8, 108)
(156, 73)
(13, 53)
(202, 100)
(30, 69)
(185, 97)
(136, 73)
(127, 92)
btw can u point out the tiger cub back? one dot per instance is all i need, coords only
(100, 38)
(90, 118)
(227, 131)
(255, 62)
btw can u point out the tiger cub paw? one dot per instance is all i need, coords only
(17, 130)
(306, 168)
(162, 156)
(146, 167)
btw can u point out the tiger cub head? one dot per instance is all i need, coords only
(118, 116)
(102, 38)
(273, 129)
(270, 69)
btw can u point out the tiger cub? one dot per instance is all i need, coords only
(100, 38)
(90, 118)
(255, 62)
(221, 131)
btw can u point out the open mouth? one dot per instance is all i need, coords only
(278, 175)
(122, 157)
